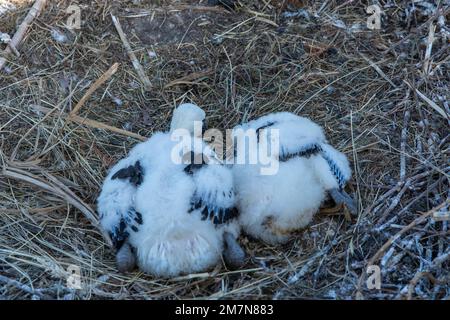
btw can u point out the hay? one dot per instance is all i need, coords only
(381, 95)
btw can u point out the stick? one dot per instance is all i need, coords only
(377, 69)
(391, 240)
(23, 287)
(189, 79)
(431, 103)
(20, 33)
(99, 125)
(403, 145)
(298, 275)
(430, 39)
(105, 76)
(137, 66)
(178, 8)
(420, 274)
(417, 221)
(92, 123)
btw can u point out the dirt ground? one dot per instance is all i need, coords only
(382, 96)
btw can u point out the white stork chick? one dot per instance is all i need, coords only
(273, 206)
(172, 217)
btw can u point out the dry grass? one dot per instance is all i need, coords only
(367, 88)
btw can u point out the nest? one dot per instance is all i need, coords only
(381, 96)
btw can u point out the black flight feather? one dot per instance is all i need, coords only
(133, 173)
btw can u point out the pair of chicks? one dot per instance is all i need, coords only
(171, 216)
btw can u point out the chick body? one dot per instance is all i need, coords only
(169, 215)
(185, 214)
(272, 206)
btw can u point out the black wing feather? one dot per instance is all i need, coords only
(210, 211)
(128, 222)
(258, 130)
(119, 234)
(133, 173)
(216, 215)
(311, 149)
(305, 151)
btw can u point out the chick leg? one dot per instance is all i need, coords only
(125, 258)
(233, 254)
(342, 197)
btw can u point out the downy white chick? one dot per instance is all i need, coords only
(273, 206)
(173, 218)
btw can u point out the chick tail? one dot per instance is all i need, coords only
(125, 258)
(233, 254)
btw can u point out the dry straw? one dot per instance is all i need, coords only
(68, 112)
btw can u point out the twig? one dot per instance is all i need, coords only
(342, 5)
(189, 79)
(435, 264)
(20, 33)
(382, 199)
(403, 145)
(180, 7)
(395, 201)
(442, 258)
(137, 66)
(198, 8)
(415, 280)
(23, 287)
(377, 69)
(203, 275)
(391, 240)
(93, 123)
(99, 125)
(431, 103)
(94, 87)
(430, 40)
(305, 268)
(405, 208)
(438, 13)
(416, 221)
